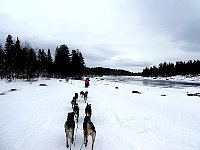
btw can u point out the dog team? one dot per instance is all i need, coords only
(88, 127)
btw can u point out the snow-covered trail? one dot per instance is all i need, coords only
(109, 118)
(33, 117)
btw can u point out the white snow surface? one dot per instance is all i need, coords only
(33, 116)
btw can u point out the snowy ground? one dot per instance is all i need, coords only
(33, 116)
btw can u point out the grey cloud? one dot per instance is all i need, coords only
(178, 19)
(17, 28)
(97, 55)
(10, 24)
(92, 60)
(191, 37)
(108, 50)
(131, 28)
(123, 62)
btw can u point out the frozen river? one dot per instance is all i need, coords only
(152, 82)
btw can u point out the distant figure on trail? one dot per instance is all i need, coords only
(87, 82)
(85, 96)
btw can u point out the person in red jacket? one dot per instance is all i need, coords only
(86, 82)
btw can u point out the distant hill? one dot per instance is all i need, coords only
(107, 71)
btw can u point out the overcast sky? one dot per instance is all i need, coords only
(121, 34)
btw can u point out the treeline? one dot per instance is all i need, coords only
(21, 61)
(170, 69)
(17, 61)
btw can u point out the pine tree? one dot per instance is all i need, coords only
(42, 62)
(9, 57)
(19, 59)
(31, 64)
(29, 58)
(82, 62)
(77, 63)
(39, 62)
(2, 62)
(49, 62)
(62, 61)
(74, 63)
(23, 62)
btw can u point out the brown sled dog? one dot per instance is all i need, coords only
(88, 110)
(76, 112)
(88, 129)
(69, 129)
